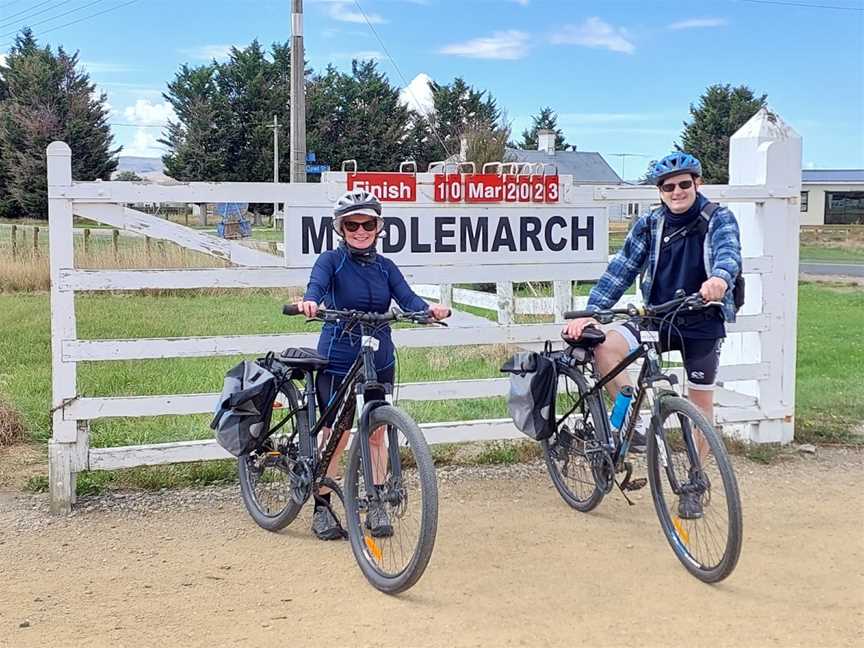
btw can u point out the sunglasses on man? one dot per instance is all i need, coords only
(669, 187)
(353, 226)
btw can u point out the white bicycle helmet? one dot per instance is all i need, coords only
(356, 201)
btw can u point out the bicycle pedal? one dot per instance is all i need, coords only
(635, 484)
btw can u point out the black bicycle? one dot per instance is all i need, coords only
(290, 467)
(692, 482)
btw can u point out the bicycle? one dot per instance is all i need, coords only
(290, 467)
(686, 459)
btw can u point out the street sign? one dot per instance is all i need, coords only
(310, 156)
(317, 168)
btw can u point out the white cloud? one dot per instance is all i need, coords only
(144, 144)
(594, 32)
(524, 3)
(208, 52)
(507, 45)
(698, 23)
(342, 12)
(144, 112)
(418, 94)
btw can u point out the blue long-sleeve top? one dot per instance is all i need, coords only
(340, 281)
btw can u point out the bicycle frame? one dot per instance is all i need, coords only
(361, 377)
(649, 374)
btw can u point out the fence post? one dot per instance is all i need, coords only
(63, 452)
(506, 303)
(86, 240)
(14, 242)
(147, 247)
(115, 241)
(563, 299)
(445, 295)
(767, 151)
(36, 240)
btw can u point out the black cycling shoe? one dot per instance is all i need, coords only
(377, 521)
(690, 506)
(325, 526)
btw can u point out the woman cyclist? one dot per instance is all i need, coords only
(355, 276)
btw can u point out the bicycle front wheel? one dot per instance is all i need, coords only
(393, 521)
(694, 491)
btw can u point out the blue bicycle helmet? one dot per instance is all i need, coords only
(673, 164)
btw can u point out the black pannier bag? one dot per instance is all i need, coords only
(533, 386)
(244, 408)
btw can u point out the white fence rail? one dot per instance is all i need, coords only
(757, 362)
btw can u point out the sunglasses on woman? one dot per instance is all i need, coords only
(353, 226)
(670, 186)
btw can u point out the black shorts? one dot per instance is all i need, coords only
(327, 384)
(701, 357)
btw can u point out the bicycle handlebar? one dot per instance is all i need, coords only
(334, 315)
(692, 302)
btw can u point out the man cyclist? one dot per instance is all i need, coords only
(674, 251)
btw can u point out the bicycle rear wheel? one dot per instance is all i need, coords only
(564, 452)
(694, 491)
(268, 478)
(392, 523)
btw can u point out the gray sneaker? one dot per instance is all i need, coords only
(690, 506)
(325, 526)
(378, 521)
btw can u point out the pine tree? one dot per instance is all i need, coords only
(547, 119)
(722, 110)
(48, 99)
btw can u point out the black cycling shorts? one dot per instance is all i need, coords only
(327, 384)
(701, 357)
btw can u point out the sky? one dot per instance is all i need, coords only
(621, 74)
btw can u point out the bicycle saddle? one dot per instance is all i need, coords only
(303, 358)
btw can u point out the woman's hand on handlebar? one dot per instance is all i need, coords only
(308, 308)
(575, 327)
(439, 312)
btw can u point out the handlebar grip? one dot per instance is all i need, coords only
(577, 314)
(291, 309)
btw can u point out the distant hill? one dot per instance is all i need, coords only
(140, 164)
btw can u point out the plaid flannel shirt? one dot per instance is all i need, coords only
(722, 258)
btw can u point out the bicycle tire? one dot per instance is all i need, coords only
(363, 545)
(681, 533)
(272, 520)
(552, 445)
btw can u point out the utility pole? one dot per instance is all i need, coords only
(298, 95)
(275, 128)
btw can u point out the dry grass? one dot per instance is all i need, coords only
(11, 425)
(496, 352)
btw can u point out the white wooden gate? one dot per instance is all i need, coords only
(758, 362)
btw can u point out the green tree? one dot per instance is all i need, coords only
(46, 99)
(224, 116)
(546, 119)
(721, 111)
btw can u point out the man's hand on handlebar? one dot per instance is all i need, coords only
(713, 289)
(575, 327)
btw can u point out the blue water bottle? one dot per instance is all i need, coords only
(619, 409)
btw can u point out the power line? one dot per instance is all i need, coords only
(9, 22)
(24, 11)
(41, 22)
(74, 22)
(404, 80)
(804, 4)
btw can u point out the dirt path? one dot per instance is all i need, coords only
(513, 566)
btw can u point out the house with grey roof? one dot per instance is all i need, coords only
(832, 197)
(585, 167)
